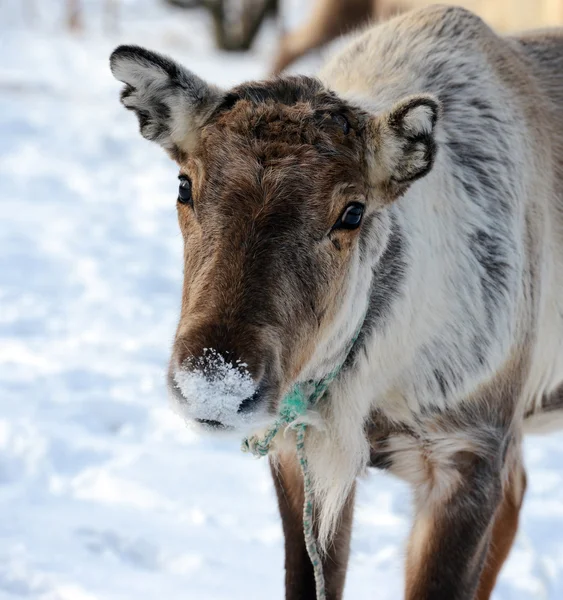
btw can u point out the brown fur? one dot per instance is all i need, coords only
(248, 198)
(329, 19)
(451, 475)
(504, 532)
(299, 579)
(438, 561)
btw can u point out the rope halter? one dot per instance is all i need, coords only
(295, 404)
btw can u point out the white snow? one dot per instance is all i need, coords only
(104, 493)
(214, 390)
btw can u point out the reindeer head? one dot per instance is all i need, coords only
(283, 206)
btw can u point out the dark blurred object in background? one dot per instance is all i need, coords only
(235, 23)
(329, 19)
(185, 3)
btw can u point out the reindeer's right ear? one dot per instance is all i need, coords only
(170, 102)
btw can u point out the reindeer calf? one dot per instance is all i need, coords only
(414, 194)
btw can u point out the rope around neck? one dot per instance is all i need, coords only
(308, 532)
(295, 404)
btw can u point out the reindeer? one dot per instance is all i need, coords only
(407, 203)
(328, 20)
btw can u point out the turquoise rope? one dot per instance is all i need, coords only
(295, 404)
(308, 532)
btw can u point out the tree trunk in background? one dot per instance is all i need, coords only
(185, 3)
(238, 34)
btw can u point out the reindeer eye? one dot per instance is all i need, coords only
(343, 122)
(185, 190)
(351, 217)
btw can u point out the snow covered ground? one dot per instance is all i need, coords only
(104, 494)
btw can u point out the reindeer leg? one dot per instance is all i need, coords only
(299, 579)
(504, 531)
(454, 528)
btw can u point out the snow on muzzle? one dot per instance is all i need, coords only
(214, 392)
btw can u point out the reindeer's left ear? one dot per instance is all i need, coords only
(401, 146)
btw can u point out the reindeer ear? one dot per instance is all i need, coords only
(170, 102)
(401, 144)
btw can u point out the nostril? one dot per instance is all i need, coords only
(249, 403)
(211, 423)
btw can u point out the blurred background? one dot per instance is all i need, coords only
(104, 494)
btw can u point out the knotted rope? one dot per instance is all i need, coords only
(295, 405)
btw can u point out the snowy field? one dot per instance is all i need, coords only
(104, 494)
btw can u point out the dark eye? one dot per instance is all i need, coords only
(343, 122)
(351, 217)
(185, 190)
